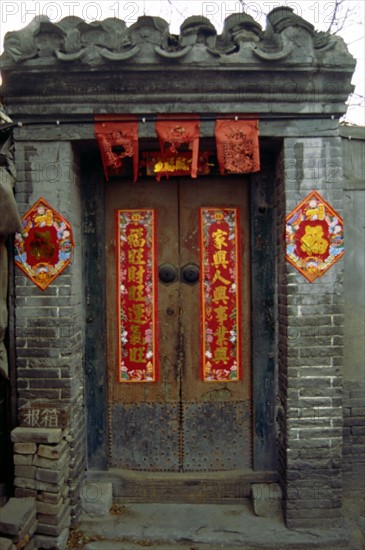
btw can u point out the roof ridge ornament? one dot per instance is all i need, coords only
(283, 17)
(287, 38)
(178, 54)
(119, 56)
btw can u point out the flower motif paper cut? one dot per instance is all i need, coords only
(44, 247)
(314, 237)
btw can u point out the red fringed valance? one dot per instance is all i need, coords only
(174, 133)
(117, 140)
(237, 146)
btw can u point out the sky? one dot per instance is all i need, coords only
(16, 14)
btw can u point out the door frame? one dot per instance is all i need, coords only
(181, 423)
(263, 315)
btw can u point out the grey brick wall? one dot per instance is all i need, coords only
(310, 348)
(353, 146)
(282, 328)
(354, 439)
(49, 323)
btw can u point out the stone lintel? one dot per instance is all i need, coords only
(269, 91)
(50, 130)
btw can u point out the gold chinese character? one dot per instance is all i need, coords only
(221, 334)
(136, 335)
(221, 313)
(220, 354)
(219, 258)
(137, 313)
(219, 238)
(136, 274)
(136, 355)
(135, 238)
(135, 256)
(219, 277)
(220, 294)
(313, 242)
(136, 293)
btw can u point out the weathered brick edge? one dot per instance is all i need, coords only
(18, 523)
(310, 348)
(42, 466)
(354, 439)
(49, 324)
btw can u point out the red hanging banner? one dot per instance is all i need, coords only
(174, 133)
(237, 144)
(137, 295)
(220, 294)
(117, 140)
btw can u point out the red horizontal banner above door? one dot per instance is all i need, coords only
(237, 144)
(173, 134)
(117, 140)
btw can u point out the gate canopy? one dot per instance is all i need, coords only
(106, 67)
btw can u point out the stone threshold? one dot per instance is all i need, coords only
(222, 487)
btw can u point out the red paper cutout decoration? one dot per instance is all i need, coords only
(237, 144)
(44, 248)
(314, 237)
(117, 140)
(174, 133)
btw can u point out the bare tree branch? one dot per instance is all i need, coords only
(174, 7)
(338, 23)
(336, 9)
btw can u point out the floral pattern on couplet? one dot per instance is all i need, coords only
(137, 299)
(220, 294)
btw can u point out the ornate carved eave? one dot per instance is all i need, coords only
(59, 63)
(72, 41)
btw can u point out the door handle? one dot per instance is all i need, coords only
(167, 273)
(190, 274)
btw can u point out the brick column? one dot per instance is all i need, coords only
(310, 348)
(49, 323)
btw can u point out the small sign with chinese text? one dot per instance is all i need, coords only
(43, 415)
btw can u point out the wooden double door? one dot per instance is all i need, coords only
(179, 423)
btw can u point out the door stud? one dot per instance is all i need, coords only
(167, 273)
(190, 274)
